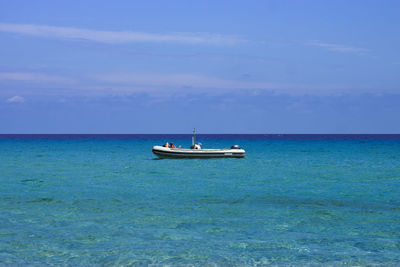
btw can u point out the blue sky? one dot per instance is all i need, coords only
(220, 66)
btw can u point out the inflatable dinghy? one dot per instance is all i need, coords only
(195, 151)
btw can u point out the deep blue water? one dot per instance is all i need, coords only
(293, 200)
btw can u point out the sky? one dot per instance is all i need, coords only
(272, 66)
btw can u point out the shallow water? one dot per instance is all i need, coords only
(106, 200)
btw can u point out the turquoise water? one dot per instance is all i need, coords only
(291, 201)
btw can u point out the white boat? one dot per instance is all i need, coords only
(195, 151)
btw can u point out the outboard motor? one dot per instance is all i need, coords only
(235, 147)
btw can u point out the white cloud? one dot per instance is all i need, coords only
(32, 77)
(182, 80)
(338, 47)
(157, 84)
(118, 36)
(188, 83)
(16, 99)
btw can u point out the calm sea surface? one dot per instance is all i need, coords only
(106, 200)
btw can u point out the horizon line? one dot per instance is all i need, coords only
(199, 134)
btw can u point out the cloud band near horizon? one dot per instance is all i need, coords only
(167, 83)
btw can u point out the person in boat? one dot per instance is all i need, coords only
(173, 146)
(166, 144)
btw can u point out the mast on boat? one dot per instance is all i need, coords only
(194, 137)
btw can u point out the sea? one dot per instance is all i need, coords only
(106, 200)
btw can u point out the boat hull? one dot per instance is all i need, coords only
(165, 152)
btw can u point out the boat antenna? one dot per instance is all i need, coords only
(194, 137)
